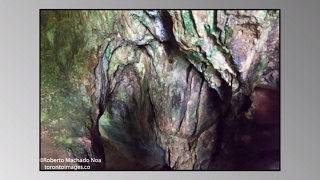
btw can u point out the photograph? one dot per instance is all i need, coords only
(159, 90)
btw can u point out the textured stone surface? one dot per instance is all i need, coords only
(163, 90)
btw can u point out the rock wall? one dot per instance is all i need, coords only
(162, 90)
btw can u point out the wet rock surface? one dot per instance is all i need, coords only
(163, 90)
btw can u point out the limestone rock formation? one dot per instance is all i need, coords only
(162, 90)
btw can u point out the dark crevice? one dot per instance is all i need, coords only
(221, 130)
(153, 120)
(183, 117)
(142, 103)
(168, 25)
(215, 22)
(171, 46)
(190, 67)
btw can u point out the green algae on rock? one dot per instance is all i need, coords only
(141, 89)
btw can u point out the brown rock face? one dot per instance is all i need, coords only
(266, 106)
(161, 90)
